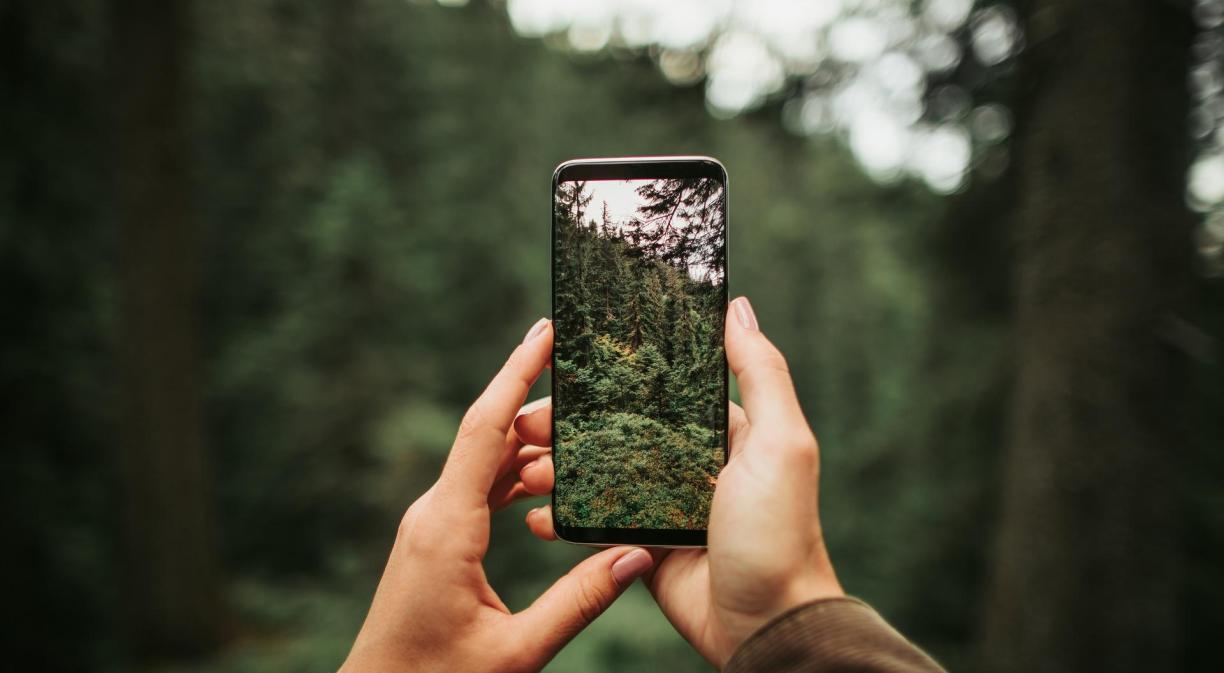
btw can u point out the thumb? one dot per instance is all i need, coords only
(576, 599)
(760, 369)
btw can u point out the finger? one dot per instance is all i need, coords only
(677, 581)
(659, 554)
(529, 455)
(737, 423)
(537, 476)
(535, 405)
(764, 379)
(540, 523)
(583, 594)
(507, 473)
(534, 423)
(508, 487)
(510, 451)
(681, 565)
(515, 456)
(477, 454)
(503, 496)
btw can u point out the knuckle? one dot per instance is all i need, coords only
(807, 444)
(411, 515)
(590, 599)
(473, 421)
(415, 527)
(407, 532)
(515, 361)
(800, 451)
(775, 361)
(770, 364)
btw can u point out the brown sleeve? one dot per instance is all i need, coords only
(830, 635)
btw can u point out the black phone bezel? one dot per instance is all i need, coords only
(635, 168)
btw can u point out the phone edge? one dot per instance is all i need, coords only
(552, 297)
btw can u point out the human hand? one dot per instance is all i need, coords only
(766, 552)
(434, 609)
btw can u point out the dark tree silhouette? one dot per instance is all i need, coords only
(680, 221)
(172, 587)
(1085, 574)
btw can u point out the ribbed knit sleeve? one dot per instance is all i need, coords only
(830, 636)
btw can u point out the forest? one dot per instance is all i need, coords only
(256, 258)
(639, 369)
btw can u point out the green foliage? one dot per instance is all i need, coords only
(372, 186)
(639, 388)
(372, 182)
(623, 470)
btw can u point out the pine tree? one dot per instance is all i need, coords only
(608, 228)
(639, 368)
(681, 223)
(572, 201)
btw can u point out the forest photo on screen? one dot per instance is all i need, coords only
(640, 376)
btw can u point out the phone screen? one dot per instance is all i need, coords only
(639, 372)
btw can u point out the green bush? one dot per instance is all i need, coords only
(625, 470)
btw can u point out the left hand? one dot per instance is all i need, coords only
(434, 609)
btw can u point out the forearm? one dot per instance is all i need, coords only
(830, 635)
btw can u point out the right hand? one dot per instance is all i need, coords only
(766, 551)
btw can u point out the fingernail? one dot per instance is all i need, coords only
(531, 466)
(743, 311)
(536, 329)
(534, 406)
(631, 566)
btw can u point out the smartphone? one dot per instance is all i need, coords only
(639, 374)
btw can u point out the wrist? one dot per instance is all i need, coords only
(818, 584)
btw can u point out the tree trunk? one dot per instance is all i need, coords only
(171, 592)
(1087, 555)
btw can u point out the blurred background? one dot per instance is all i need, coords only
(257, 257)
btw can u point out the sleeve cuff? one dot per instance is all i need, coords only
(829, 635)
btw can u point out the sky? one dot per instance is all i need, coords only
(620, 196)
(622, 199)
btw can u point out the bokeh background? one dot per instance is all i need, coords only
(256, 258)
